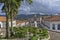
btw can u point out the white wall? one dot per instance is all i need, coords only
(14, 23)
(1, 23)
(50, 24)
(56, 25)
(23, 24)
(4, 24)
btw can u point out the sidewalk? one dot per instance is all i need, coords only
(54, 35)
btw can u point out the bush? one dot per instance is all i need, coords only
(33, 38)
(21, 32)
(19, 35)
(43, 34)
(34, 30)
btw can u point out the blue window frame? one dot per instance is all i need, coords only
(53, 27)
(58, 26)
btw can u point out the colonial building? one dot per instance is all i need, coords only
(3, 22)
(21, 23)
(3, 25)
(53, 22)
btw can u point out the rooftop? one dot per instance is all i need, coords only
(52, 18)
(2, 18)
(20, 21)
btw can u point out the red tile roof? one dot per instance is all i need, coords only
(19, 21)
(52, 18)
(2, 18)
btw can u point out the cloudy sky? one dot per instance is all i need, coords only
(40, 6)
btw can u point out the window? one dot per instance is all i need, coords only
(0, 25)
(53, 27)
(58, 26)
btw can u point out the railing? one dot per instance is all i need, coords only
(45, 25)
(54, 31)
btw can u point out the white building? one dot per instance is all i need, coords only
(3, 25)
(21, 23)
(15, 23)
(3, 22)
(53, 22)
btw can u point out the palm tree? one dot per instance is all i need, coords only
(15, 4)
(11, 7)
(6, 10)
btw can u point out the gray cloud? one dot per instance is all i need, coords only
(44, 6)
(40, 6)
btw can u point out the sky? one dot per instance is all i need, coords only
(39, 6)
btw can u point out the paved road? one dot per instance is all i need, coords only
(54, 35)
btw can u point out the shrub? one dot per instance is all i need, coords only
(33, 38)
(21, 32)
(19, 35)
(33, 30)
(43, 34)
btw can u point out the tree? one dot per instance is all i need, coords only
(15, 4)
(6, 10)
(10, 8)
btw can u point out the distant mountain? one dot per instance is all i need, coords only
(24, 16)
(27, 16)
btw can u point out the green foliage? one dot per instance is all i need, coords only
(11, 9)
(33, 38)
(15, 29)
(43, 33)
(19, 35)
(33, 30)
(22, 32)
